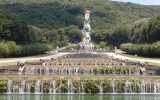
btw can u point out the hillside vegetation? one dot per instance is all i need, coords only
(59, 22)
(144, 38)
(60, 13)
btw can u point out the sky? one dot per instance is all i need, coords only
(143, 2)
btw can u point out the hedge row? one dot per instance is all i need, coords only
(10, 49)
(142, 49)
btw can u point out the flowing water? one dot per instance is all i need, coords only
(79, 97)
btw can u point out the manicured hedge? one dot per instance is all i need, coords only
(10, 49)
(142, 49)
(33, 49)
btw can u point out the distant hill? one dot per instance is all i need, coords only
(61, 13)
(59, 22)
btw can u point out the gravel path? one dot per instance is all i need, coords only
(61, 54)
(36, 58)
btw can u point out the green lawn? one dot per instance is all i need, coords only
(42, 55)
(133, 56)
(139, 57)
(14, 63)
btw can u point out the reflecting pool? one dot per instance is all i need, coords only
(79, 97)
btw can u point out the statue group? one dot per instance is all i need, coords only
(86, 46)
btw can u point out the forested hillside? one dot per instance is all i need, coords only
(60, 13)
(59, 22)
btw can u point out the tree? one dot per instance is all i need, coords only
(12, 28)
(154, 29)
(120, 35)
(74, 34)
(139, 31)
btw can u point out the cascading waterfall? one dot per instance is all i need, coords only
(70, 86)
(38, 86)
(81, 71)
(47, 71)
(100, 88)
(40, 71)
(22, 87)
(53, 87)
(156, 87)
(128, 88)
(112, 84)
(143, 87)
(60, 85)
(9, 86)
(148, 87)
(82, 86)
(66, 86)
(28, 88)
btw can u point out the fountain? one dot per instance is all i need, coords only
(22, 87)
(47, 71)
(86, 46)
(53, 87)
(112, 84)
(128, 88)
(70, 87)
(82, 86)
(38, 87)
(143, 87)
(83, 72)
(101, 88)
(9, 86)
(28, 88)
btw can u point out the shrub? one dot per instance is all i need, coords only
(10, 49)
(142, 49)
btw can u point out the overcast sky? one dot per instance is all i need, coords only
(143, 2)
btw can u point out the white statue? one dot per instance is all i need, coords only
(86, 45)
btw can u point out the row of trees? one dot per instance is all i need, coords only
(11, 49)
(142, 49)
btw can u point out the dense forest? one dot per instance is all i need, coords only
(53, 23)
